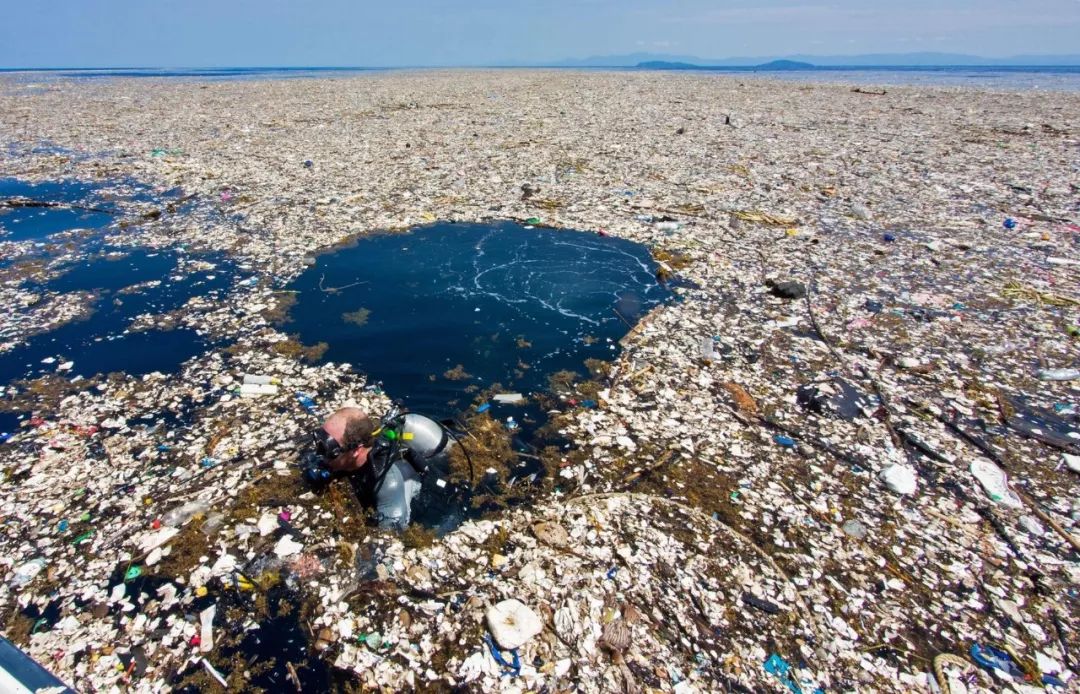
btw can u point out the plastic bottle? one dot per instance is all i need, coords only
(1059, 374)
(254, 390)
(27, 572)
(182, 514)
(256, 380)
(707, 347)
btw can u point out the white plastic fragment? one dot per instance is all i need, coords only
(512, 624)
(214, 673)
(268, 523)
(994, 482)
(206, 633)
(1032, 525)
(286, 547)
(900, 479)
(157, 538)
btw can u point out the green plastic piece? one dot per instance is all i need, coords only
(85, 536)
(132, 573)
(532, 220)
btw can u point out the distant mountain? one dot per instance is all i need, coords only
(666, 65)
(864, 60)
(772, 65)
(785, 65)
(626, 60)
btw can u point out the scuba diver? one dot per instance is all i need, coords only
(387, 460)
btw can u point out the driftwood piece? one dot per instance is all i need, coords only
(24, 203)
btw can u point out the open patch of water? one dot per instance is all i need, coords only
(125, 285)
(9, 425)
(75, 205)
(119, 284)
(447, 310)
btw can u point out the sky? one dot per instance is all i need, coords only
(205, 33)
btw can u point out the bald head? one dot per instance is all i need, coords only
(352, 428)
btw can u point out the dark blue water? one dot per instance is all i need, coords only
(124, 282)
(21, 224)
(104, 199)
(506, 303)
(101, 344)
(9, 424)
(114, 270)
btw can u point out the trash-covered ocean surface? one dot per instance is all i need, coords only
(457, 316)
(843, 459)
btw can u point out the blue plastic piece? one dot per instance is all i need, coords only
(514, 667)
(307, 402)
(612, 571)
(1053, 680)
(785, 441)
(993, 659)
(888, 238)
(484, 408)
(779, 668)
(1009, 223)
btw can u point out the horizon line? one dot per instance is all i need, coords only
(466, 66)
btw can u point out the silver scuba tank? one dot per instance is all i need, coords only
(426, 440)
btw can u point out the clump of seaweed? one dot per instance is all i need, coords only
(485, 448)
(562, 381)
(278, 314)
(294, 349)
(670, 262)
(457, 373)
(359, 317)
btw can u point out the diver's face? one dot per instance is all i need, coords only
(344, 461)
